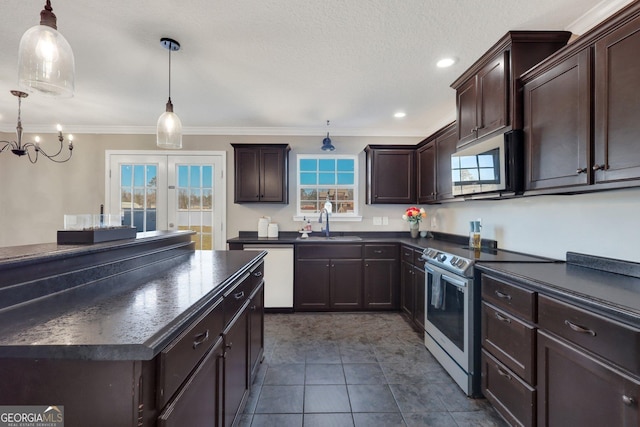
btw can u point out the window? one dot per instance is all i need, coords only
(328, 176)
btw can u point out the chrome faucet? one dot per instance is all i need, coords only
(326, 211)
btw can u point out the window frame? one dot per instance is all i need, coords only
(335, 216)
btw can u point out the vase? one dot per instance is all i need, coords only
(414, 228)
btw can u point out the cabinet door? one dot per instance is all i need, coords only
(247, 175)
(391, 176)
(256, 329)
(617, 83)
(198, 402)
(346, 284)
(312, 285)
(557, 125)
(427, 173)
(420, 311)
(445, 147)
(467, 113)
(236, 365)
(272, 179)
(407, 289)
(491, 96)
(575, 389)
(381, 284)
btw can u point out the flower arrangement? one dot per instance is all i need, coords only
(414, 215)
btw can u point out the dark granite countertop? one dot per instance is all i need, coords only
(26, 254)
(122, 318)
(610, 294)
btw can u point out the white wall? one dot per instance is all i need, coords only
(34, 198)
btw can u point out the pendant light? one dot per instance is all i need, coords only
(169, 129)
(45, 59)
(326, 143)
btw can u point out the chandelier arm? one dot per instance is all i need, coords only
(7, 144)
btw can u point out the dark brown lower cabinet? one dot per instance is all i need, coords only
(381, 284)
(198, 402)
(412, 287)
(577, 389)
(346, 284)
(256, 329)
(407, 289)
(512, 397)
(236, 366)
(420, 312)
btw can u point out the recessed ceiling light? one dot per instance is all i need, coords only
(399, 114)
(445, 62)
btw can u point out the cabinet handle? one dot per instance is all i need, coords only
(239, 295)
(377, 251)
(581, 170)
(579, 328)
(598, 167)
(200, 338)
(503, 295)
(628, 400)
(253, 307)
(502, 318)
(503, 373)
(258, 274)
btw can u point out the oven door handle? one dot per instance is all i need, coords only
(455, 282)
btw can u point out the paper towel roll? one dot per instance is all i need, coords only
(272, 230)
(263, 225)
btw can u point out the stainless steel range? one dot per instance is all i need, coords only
(450, 316)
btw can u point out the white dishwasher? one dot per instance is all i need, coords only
(278, 274)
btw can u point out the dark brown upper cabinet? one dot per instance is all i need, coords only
(434, 165)
(557, 129)
(261, 173)
(581, 111)
(391, 174)
(427, 172)
(488, 96)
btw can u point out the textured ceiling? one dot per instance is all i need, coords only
(266, 66)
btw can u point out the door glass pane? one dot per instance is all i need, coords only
(138, 191)
(195, 202)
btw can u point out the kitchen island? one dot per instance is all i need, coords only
(130, 333)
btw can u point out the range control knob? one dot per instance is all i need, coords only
(461, 263)
(454, 260)
(442, 257)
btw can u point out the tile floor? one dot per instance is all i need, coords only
(355, 369)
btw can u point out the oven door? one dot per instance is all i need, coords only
(447, 302)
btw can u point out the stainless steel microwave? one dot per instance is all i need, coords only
(491, 167)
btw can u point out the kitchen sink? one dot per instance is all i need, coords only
(332, 238)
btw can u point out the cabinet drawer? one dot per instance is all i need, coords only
(236, 296)
(328, 250)
(607, 338)
(381, 251)
(179, 358)
(257, 275)
(510, 340)
(515, 300)
(406, 254)
(417, 253)
(512, 397)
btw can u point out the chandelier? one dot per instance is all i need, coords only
(326, 143)
(45, 59)
(33, 149)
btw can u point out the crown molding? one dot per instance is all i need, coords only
(228, 131)
(595, 15)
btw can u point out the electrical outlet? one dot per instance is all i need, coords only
(377, 220)
(385, 220)
(434, 223)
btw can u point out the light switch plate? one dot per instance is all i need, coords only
(377, 220)
(385, 220)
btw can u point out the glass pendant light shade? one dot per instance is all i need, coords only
(46, 63)
(169, 129)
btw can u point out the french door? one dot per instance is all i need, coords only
(153, 190)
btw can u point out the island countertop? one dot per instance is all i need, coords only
(130, 316)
